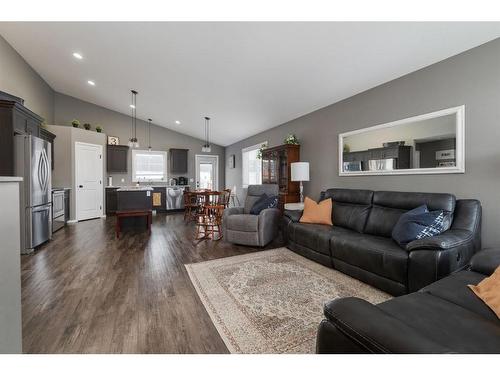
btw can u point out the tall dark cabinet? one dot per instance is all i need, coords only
(178, 160)
(14, 118)
(276, 170)
(116, 158)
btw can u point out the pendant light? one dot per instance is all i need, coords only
(133, 142)
(149, 134)
(206, 147)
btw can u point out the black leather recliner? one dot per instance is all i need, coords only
(444, 317)
(360, 244)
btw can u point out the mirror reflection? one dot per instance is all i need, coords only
(421, 144)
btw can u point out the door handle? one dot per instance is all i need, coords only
(80, 186)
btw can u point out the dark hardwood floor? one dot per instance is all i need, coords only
(87, 292)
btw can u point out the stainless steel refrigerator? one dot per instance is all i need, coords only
(33, 163)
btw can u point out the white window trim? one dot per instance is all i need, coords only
(163, 153)
(247, 149)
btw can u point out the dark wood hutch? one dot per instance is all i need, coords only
(276, 170)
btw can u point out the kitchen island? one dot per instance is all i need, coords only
(133, 202)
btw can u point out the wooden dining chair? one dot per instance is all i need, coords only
(209, 220)
(227, 197)
(190, 206)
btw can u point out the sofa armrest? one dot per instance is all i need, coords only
(370, 329)
(293, 215)
(447, 240)
(268, 225)
(486, 261)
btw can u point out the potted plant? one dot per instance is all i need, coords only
(75, 123)
(291, 139)
(346, 148)
(259, 151)
(86, 126)
(98, 128)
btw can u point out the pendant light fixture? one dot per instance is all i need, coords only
(149, 134)
(133, 142)
(206, 147)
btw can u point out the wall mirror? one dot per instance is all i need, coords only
(426, 144)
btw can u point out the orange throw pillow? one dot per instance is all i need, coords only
(317, 213)
(489, 291)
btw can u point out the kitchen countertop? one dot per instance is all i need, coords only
(135, 188)
(10, 179)
(149, 186)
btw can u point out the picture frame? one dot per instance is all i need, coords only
(114, 141)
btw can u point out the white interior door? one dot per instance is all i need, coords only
(207, 172)
(88, 181)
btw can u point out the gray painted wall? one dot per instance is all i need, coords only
(471, 78)
(19, 79)
(116, 124)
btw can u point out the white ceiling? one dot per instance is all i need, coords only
(248, 77)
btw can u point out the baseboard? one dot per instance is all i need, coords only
(72, 222)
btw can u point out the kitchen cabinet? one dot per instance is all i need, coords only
(14, 118)
(178, 160)
(111, 200)
(66, 205)
(117, 157)
(49, 137)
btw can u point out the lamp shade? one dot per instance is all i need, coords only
(300, 171)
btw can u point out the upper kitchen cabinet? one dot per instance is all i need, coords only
(49, 137)
(117, 156)
(14, 118)
(178, 160)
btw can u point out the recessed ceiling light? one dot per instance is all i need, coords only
(76, 55)
(132, 106)
(91, 83)
(177, 122)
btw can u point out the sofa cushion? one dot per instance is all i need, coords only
(254, 192)
(454, 289)
(445, 323)
(378, 255)
(313, 236)
(388, 206)
(351, 207)
(243, 223)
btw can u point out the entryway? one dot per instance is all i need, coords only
(207, 172)
(88, 181)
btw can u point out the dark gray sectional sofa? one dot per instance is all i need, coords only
(359, 243)
(444, 317)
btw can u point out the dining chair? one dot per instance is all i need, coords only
(190, 205)
(209, 220)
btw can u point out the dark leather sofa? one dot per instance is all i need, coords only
(444, 317)
(360, 244)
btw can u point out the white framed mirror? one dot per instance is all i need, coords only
(431, 143)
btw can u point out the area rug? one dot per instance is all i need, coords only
(271, 301)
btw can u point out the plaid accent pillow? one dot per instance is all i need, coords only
(420, 223)
(434, 229)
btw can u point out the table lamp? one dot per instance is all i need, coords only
(300, 172)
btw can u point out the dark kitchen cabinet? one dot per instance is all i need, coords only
(14, 118)
(66, 205)
(49, 137)
(178, 160)
(111, 200)
(117, 156)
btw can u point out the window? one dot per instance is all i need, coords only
(252, 166)
(149, 165)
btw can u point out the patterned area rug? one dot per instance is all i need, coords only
(271, 301)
